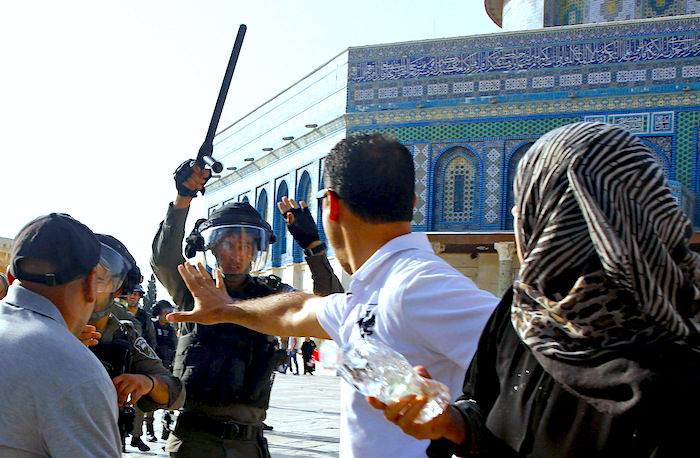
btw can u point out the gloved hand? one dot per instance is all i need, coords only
(190, 178)
(302, 227)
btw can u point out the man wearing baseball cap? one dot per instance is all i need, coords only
(56, 397)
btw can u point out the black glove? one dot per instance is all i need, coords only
(303, 229)
(182, 173)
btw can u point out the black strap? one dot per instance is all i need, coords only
(224, 429)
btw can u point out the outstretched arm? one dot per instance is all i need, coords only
(280, 314)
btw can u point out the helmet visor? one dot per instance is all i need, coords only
(236, 248)
(111, 270)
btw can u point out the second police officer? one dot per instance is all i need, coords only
(136, 371)
(166, 344)
(227, 369)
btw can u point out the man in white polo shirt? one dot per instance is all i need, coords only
(401, 292)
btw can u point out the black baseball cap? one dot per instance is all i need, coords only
(68, 245)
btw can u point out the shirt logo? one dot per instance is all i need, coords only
(367, 322)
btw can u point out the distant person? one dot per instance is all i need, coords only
(166, 334)
(4, 284)
(401, 293)
(307, 351)
(166, 343)
(595, 350)
(55, 397)
(283, 345)
(292, 351)
(132, 304)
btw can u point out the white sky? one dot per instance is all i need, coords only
(101, 100)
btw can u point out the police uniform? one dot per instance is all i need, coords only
(122, 313)
(122, 350)
(147, 330)
(166, 342)
(227, 369)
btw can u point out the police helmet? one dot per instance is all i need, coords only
(120, 264)
(234, 239)
(159, 307)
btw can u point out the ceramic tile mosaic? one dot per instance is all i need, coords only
(421, 155)
(613, 57)
(492, 189)
(692, 7)
(610, 10)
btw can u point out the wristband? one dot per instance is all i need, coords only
(315, 250)
(153, 383)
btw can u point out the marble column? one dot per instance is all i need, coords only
(506, 251)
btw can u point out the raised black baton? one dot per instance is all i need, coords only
(204, 157)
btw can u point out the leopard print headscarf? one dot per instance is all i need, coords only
(606, 257)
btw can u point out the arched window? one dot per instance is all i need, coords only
(304, 189)
(261, 205)
(245, 199)
(455, 190)
(512, 168)
(303, 195)
(458, 205)
(280, 228)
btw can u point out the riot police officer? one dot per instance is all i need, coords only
(132, 305)
(227, 369)
(136, 371)
(166, 343)
(166, 334)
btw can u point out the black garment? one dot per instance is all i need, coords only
(514, 408)
(121, 350)
(166, 342)
(223, 364)
(307, 351)
(148, 331)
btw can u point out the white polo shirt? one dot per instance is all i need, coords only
(412, 300)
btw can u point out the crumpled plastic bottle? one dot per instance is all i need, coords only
(376, 370)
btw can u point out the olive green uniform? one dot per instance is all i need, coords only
(206, 426)
(122, 313)
(145, 361)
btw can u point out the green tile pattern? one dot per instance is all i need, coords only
(687, 122)
(472, 130)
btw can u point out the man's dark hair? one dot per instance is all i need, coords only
(374, 177)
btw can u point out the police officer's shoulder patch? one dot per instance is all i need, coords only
(142, 347)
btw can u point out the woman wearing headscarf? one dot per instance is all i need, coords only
(595, 351)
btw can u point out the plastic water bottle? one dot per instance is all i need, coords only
(376, 370)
